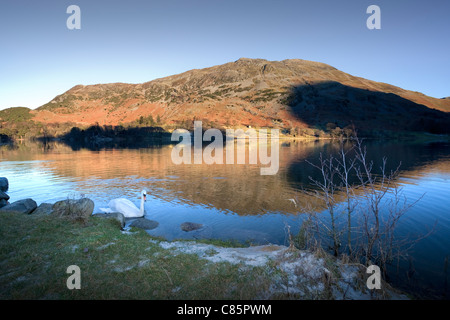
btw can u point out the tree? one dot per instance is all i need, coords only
(366, 210)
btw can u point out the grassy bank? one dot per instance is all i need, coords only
(36, 250)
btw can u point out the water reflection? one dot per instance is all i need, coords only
(233, 201)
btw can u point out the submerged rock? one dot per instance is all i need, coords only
(248, 235)
(190, 226)
(4, 185)
(77, 209)
(25, 206)
(205, 232)
(145, 224)
(113, 215)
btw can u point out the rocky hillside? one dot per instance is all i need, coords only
(292, 94)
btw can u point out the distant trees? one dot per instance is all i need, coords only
(108, 133)
(4, 138)
(17, 114)
(146, 121)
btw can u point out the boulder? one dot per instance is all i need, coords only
(3, 195)
(75, 209)
(248, 235)
(113, 215)
(190, 226)
(3, 199)
(4, 185)
(26, 206)
(205, 232)
(44, 208)
(145, 224)
(3, 203)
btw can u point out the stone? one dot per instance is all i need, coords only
(4, 196)
(3, 199)
(3, 202)
(4, 185)
(145, 224)
(113, 215)
(25, 206)
(76, 209)
(205, 232)
(44, 208)
(190, 226)
(248, 235)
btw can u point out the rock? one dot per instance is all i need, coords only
(247, 235)
(4, 185)
(3, 195)
(3, 199)
(190, 226)
(3, 203)
(204, 232)
(113, 215)
(44, 208)
(145, 224)
(26, 206)
(76, 209)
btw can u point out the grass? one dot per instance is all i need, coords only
(35, 252)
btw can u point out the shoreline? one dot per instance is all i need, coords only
(37, 248)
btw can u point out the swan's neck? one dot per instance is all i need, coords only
(142, 206)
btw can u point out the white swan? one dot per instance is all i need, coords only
(293, 201)
(126, 207)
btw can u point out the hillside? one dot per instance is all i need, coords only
(291, 94)
(16, 114)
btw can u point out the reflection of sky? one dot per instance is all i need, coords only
(435, 202)
(267, 228)
(433, 208)
(33, 179)
(430, 214)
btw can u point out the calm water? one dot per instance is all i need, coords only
(235, 201)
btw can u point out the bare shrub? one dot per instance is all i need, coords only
(359, 218)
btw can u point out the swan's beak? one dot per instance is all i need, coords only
(145, 197)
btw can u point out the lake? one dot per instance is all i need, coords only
(234, 201)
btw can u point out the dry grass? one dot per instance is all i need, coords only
(35, 252)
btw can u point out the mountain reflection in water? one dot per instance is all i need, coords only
(234, 201)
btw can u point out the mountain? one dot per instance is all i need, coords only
(290, 94)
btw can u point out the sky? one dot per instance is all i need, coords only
(136, 41)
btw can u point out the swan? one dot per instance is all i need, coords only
(126, 207)
(293, 201)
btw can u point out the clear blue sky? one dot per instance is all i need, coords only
(136, 41)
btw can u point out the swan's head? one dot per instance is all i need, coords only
(144, 195)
